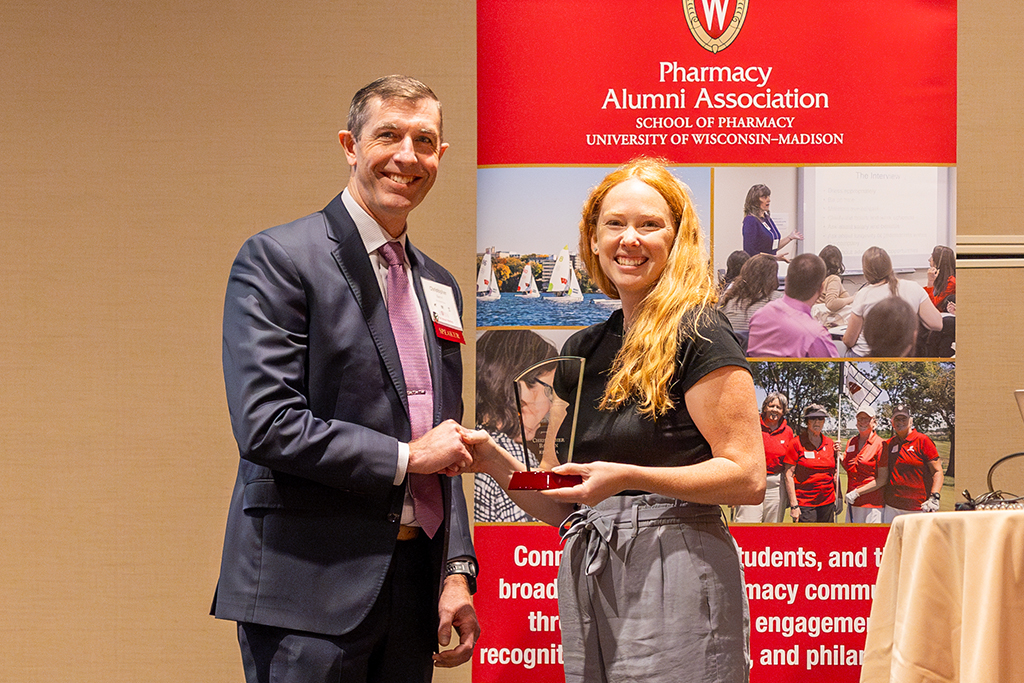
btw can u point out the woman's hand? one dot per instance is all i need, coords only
(491, 459)
(932, 274)
(488, 456)
(601, 480)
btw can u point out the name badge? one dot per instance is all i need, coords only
(775, 244)
(443, 311)
(809, 455)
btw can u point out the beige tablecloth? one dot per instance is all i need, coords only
(949, 602)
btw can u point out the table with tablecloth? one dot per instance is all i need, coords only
(949, 600)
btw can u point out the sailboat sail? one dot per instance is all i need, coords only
(559, 281)
(563, 280)
(486, 283)
(525, 278)
(528, 284)
(482, 282)
(574, 286)
(574, 292)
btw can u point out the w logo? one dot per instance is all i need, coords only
(714, 16)
(713, 24)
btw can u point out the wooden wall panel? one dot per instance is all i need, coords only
(989, 367)
(990, 147)
(990, 171)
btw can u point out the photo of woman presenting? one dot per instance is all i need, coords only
(650, 584)
(760, 234)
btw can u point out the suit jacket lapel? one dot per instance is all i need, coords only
(350, 254)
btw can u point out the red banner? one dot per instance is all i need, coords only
(517, 603)
(754, 82)
(809, 589)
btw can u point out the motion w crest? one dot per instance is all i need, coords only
(712, 24)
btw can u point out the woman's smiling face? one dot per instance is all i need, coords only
(634, 237)
(773, 412)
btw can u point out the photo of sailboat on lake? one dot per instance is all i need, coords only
(563, 282)
(527, 288)
(516, 303)
(486, 283)
(530, 234)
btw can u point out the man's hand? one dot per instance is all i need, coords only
(440, 450)
(852, 496)
(456, 609)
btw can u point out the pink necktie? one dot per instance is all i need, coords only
(403, 310)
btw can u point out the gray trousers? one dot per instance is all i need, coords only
(650, 590)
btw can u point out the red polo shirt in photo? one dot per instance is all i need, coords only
(815, 470)
(776, 441)
(910, 477)
(861, 464)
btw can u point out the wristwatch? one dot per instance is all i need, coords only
(465, 567)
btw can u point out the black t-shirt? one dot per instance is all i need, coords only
(624, 435)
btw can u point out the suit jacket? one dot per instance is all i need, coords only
(317, 402)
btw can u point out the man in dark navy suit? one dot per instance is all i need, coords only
(335, 566)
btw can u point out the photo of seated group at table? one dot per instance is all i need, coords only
(881, 449)
(854, 263)
(817, 313)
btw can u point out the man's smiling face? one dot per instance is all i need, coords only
(394, 162)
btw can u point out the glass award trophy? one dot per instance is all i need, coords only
(545, 422)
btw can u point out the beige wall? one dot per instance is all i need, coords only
(990, 171)
(141, 143)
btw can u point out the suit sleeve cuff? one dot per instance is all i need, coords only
(403, 462)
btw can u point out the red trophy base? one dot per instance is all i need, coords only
(542, 481)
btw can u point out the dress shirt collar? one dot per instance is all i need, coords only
(372, 234)
(796, 305)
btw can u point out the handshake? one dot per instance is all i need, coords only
(449, 448)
